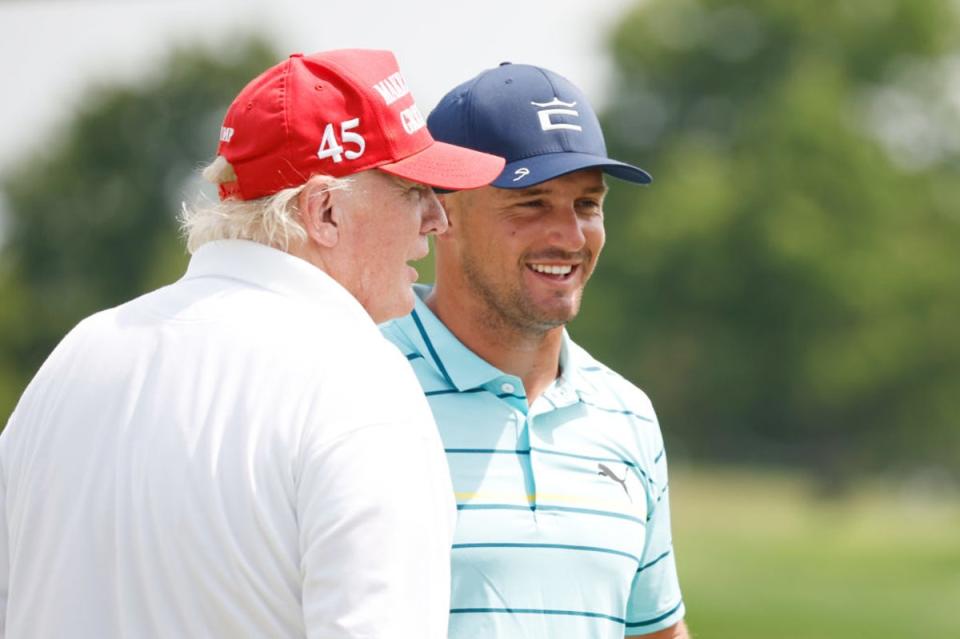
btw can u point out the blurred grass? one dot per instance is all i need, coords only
(761, 556)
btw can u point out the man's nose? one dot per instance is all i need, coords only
(434, 217)
(566, 229)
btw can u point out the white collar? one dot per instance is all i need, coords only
(273, 270)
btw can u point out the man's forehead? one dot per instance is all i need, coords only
(376, 178)
(405, 183)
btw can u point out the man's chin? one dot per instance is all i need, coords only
(556, 312)
(545, 319)
(401, 306)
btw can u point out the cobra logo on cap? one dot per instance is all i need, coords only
(545, 114)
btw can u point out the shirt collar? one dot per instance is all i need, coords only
(574, 366)
(464, 369)
(274, 270)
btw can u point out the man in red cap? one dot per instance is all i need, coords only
(241, 454)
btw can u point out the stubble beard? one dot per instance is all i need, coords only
(507, 308)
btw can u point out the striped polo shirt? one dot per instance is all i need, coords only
(563, 523)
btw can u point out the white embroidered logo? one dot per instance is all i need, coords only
(226, 133)
(547, 124)
(412, 119)
(392, 88)
(521, 173)
(331, 148)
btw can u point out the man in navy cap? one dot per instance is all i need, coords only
(558, 463)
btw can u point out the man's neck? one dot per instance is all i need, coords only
(534, 357)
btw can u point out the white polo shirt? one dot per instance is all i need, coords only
(239, 454)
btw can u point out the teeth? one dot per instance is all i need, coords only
(552, 269)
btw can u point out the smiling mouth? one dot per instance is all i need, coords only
(554, 271)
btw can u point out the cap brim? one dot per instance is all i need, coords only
(540, 168)
(448, 167)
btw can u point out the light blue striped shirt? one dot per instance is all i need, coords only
(563, 506)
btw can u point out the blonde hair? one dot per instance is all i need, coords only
(273, 220)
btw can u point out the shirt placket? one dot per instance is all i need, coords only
(509, 389)
(558, 395)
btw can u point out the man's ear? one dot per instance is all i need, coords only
(319, 213)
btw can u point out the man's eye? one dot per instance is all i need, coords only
(533, 204)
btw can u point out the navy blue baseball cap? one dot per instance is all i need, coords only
(537, 120)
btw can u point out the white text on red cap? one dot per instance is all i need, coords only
(392, 88)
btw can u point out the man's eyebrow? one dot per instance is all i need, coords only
(408, 184)
(533, 191)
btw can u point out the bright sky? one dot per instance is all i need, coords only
(51, 51)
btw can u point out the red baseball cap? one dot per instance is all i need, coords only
(337, 113)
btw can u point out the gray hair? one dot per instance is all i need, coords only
(273, 220)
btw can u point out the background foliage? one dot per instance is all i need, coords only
(92, 218)
(788, 288)
(786, 291)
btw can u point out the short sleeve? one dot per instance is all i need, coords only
(655, 600)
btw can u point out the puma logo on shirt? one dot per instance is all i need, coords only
(604, 470)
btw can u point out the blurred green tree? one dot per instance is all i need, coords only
(91, 219)
(788, 289)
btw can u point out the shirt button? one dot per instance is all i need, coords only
(507, 387)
